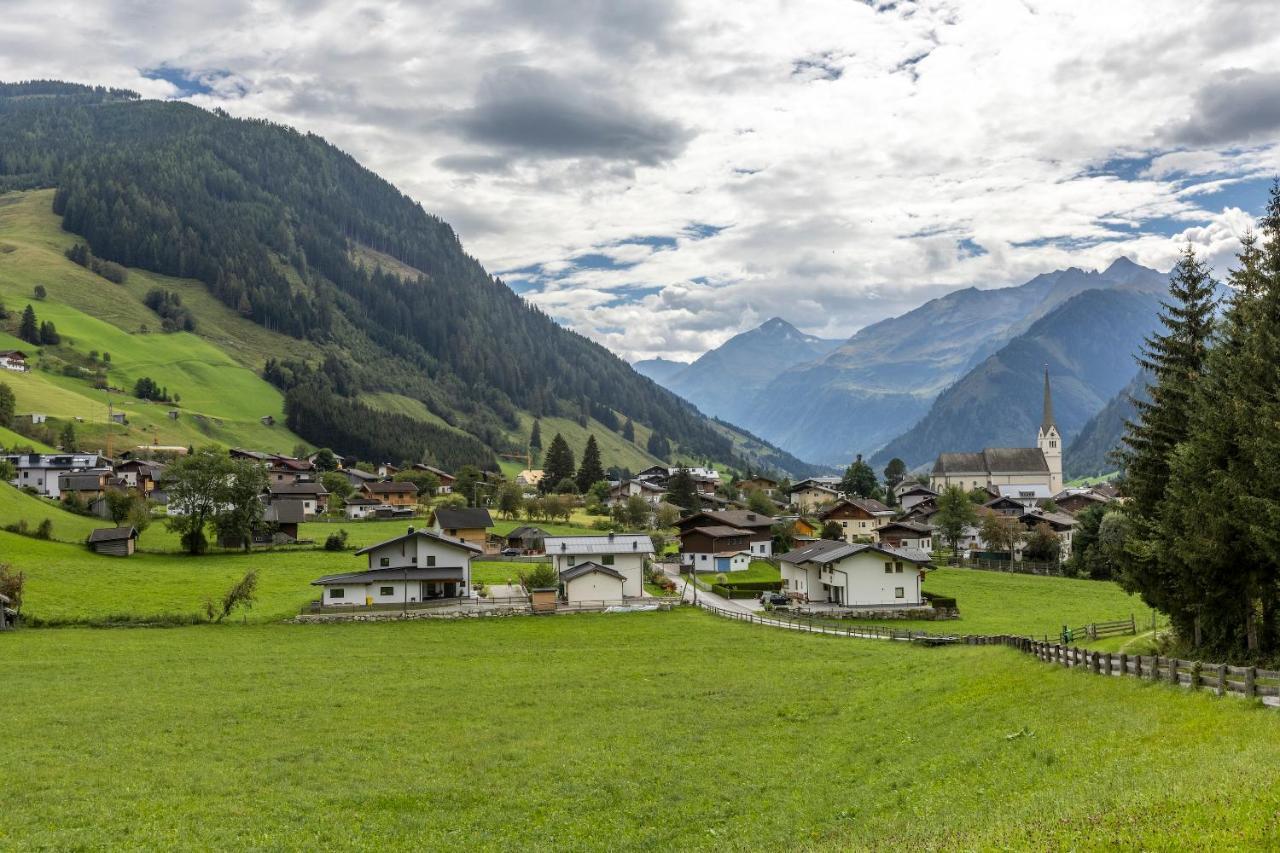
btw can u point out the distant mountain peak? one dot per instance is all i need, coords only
(777, 324)
(1122, 264)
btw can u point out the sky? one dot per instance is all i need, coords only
(661, 175)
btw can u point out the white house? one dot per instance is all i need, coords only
(40, 471)
(808, 495)
(913, 494)
(854, 575)
(652, 493)
(15, 360)
(906, 534)
(593, 582)
(624, 553)
(359, 507)
(419, 566)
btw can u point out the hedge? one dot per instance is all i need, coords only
(758, 586)
(940, 601)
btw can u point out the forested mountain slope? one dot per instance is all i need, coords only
(1089, 454)
(1088, 343)
(279, 226)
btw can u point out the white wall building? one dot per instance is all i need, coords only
(624, 553)
(40, 471)
(419, 566)
(854, 575)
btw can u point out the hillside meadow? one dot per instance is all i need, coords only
(644, 731)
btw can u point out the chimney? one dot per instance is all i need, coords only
(610, 535)
(410, 531)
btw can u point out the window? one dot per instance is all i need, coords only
(413, 560)
(899, 592)
(431, 561)
(897, 567)
(386, 590)
(606, 560)
(1053, 444)
(334, 592)
(888, 568)
(704, 557)
(384, 561)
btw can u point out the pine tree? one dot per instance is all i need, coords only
(629, 430)
(860, 480)
(682, 492)
(1176, 360)
(559, 464)
(28, 329)
(591, 471)
(659, 446)
(68, 436)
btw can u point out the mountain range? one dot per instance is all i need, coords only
(875, 390)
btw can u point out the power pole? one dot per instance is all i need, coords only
(110, 421)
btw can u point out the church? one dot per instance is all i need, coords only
(1007, 466)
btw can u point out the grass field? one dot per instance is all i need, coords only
(574, 732)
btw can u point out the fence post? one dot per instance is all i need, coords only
(1222, 679)
(1106, 664)
(1251, 682)
(1196, 668)
(1097, 663)
(1173, 672)
(1133, 624)
(1124, 664)
(1093, 630)
(1137, 666)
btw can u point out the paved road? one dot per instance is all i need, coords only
(683, 585)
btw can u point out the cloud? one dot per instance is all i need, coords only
(534, 113)
(1237, 106)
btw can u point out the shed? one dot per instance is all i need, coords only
(592, 582)
(114, 541)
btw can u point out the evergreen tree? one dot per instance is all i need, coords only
(1176, 359)
(659, 446)
(955, 513)
(629, 430)
(894, 472)
(860, 481)
(28, 329)
(558, 465)
(68, 436)
(591, 471)
(535, 439)
(8, 405)
(682, 491)
(49, 334)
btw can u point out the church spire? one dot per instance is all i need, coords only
(1046, 423)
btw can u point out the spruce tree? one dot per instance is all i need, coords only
(860, 480)
(558, 465)
(629, 430)
(682, 492)
(28, 329)
(591, 471)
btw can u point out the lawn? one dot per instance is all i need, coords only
(575, 732)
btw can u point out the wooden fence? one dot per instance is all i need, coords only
(1019, 567)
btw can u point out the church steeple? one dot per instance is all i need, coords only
(1049, 440)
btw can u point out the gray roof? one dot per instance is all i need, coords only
(719, 531)
(463, 517)
(993, 460)
(298, 489)
(113, 534)
(913, 526)
(82, 481)
(827, 551)
(527, 532)
(437, 573)
(284, 512)
(391, 486)
(731, 518)
(615, 543)
(867, 505)
(589, 567)
(431, 534)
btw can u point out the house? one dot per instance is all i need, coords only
(759, 528)
(8, 616)
(922, 511)
(386, 470)
(391, 493)
(357, 507)
(281, 521)
(808, 495)
(40, 471)
(1007, 466)
(358, 478)
(652, 493)
(286, 469)
(143, 476)
(760, 484)
(713, 547)
(656, 474)
(914, 494)
(421, 565)
(1028, 495)
(446, 479)
(1075, 501)
(1060, 523)
(87, 485)
(15, 360)
(1006, 506)
(1108, 490)
(530, 478)
(267, 420)
(624, 553)
(859, 518)
(466, 523)
(114, 541)
(906, 534)
(528, 539)
(860, 575)
(592, 581)
(313, 496)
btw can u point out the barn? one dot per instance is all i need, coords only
(114, 541)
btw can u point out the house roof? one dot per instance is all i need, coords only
(589, 568)
(443, 475)
(112, 534)
(284, 512)
(917, 489)
(12, 353)
(82, 481)
(463, 517)
(1056, 520)
(391, 487)
(826, 551)
(814, 484)
(719, 531)
(430, 534)
(643, 484)
(613, 543)
(437, 573)
(1032, 491)
(362, 476)
(729, 517)
(297, 489)
(910, 526)
(993, 460)
(867, 505)
(526, 531)
(362, 502)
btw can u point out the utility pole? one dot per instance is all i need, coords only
(110, 421)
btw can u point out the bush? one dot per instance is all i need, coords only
(749, 586)
(541, 576)
(336, 541)
(45, 530)
(941, 602)
(11, 584)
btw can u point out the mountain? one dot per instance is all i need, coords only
(725, 380)
(1088, 343)
(407, 347)
(658, 369)
(885, 377)
(1088, 455)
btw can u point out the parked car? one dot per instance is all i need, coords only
(511, 552)
(774, 599)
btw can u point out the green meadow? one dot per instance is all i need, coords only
(645, 731)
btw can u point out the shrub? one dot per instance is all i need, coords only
(11, 584)
(45, 530)
(541, 576)
(242, 594)
(19, 527)
(336, 541)
(941, 602)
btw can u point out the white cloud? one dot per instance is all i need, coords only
(858, 158)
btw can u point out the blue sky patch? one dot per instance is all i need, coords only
(702, 230)
(969, 249)
(188, 82)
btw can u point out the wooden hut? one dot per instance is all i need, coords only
(114, 541)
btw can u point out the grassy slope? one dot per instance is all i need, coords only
(614, 449)
(10, 439)
(573, 732)
(222, 398)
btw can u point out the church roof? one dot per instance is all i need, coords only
(1046, 422)
(993, 460)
